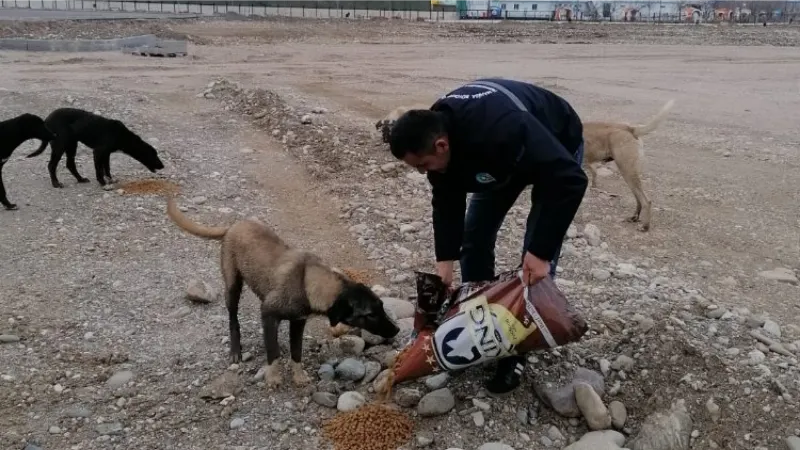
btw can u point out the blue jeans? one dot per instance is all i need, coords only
(485, 215)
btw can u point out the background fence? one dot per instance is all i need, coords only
(611, 11)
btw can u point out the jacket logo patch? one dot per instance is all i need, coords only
(484, 178)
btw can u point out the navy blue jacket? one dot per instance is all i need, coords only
(491, 141)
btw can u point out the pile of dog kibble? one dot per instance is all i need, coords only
(143, 187)
(370, 427)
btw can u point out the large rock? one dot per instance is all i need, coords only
(407, 397)
(436, 403)
(592, 407)
(349, 401)
(562, 398)
(793, 443)
(401, 309)
(599, 440)
(348, 345)
(619, 414)
(199, 291)
(351, 369)
(665, 430)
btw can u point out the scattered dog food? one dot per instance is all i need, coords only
(151, 186)
(371, 427)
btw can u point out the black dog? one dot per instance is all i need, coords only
(13, 132)
(104, 136)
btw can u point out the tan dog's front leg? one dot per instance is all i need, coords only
(272, 375)
(299, 376)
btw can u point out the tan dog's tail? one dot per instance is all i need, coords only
(649, 127)
(187, 225)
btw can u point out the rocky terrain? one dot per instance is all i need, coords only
(220, 31)
(113, 335)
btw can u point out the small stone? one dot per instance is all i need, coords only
(756, 357)
(555, 434)
(325, 399)
(183, 311)
(562, 398)
(772, 328)
(600, 274)
(477, 419)
(350, 401)
(279, 427)
(793, 443)
(522, 416)
(592, 407)
(351, 369)
(716, 313)
(619, 414)
(482, 405)
(237, 423)
(713, 410)
(246, 150)
(306, 119)
(199, 200)
(8, 338)
(58, 388)
(408, 397)
(546, 441)
(438, 381)
(424, 440)
(30, 446)
(107, 429)
(623, 362)
(119, 379)
(780, 274)
(54, 430)
(605, 366)
(436, 403)
(326, 372)
(78, 411)
(599, 440)
(592, 234)
(198, 291)
(495, 446)
(572, 231)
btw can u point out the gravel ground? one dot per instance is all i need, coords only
(100, 349)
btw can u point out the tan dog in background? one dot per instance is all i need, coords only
(619, 142)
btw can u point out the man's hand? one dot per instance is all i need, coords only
(445, 270)
(533, 269)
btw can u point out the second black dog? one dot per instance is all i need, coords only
(103, 135)
(13, 132)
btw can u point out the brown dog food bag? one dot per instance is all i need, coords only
(489, 320)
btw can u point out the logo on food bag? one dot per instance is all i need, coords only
(470, 337)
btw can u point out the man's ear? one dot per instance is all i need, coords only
(339, 311)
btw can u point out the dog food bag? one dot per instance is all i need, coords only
(481, 322)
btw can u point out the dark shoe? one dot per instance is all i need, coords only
(508, 376)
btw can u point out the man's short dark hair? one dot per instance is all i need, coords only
(415, 132)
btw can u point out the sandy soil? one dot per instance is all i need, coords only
(93, 281)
